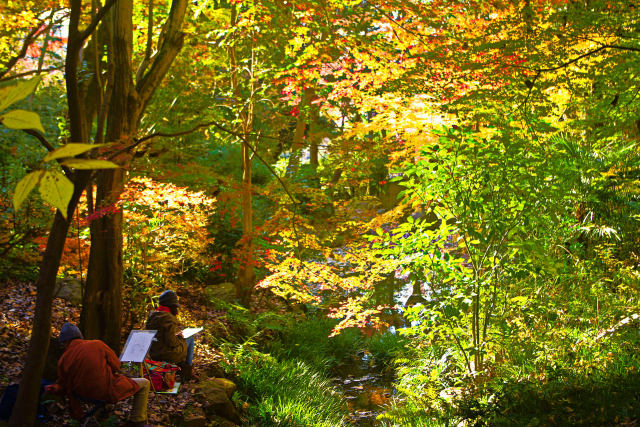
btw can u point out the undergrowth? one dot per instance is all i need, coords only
(285, 392)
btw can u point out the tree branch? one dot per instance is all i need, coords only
(149, 49)
(200, 126)
(96, 20)
(40, 137)
(168, 48)
(43, 140)
(576, 59)
(28, 73)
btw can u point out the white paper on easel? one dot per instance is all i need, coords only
(137, 346)
(187, 332)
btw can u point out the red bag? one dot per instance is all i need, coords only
(162, 375)
(156, 380)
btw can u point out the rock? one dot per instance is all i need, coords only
(389, 195)
(193, 416)
(217, 383)
(216, 421)
(215, 395)
(222, 291)
(215, 370)
(69, 289)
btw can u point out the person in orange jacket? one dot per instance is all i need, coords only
(88, 369)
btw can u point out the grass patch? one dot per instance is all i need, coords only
(285, 392)
(309, 341)
(386, 347)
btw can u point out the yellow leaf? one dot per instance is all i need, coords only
(71, 150)
(24, 187)
(16, 92)
(89, 164)
(22, 119)
(56, 189)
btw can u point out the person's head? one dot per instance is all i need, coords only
(169, 299)
(68, 333)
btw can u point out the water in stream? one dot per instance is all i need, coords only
(366, 386)
(366, 389)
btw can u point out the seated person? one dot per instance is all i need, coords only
(168, 344)
(89, 369)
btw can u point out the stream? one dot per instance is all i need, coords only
(366, 386)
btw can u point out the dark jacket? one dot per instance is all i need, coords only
(89, 368)
(167, 345)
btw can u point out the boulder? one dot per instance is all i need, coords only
(215, 395)
(69, 289)
(215, 370)
(216, 421)
(389, 195)
(193, 416)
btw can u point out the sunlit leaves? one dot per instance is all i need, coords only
(15, 92)
(56, 189)
(69, 150)
(89, 164)
(21, 119)
(24, 187)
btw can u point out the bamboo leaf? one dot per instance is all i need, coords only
(24, 187)
(22, 119)
(56, 189)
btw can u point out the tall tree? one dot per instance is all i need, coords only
(120, 103)
(102, 303)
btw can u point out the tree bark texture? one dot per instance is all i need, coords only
(101, 316)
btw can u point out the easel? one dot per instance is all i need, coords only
(136, 348)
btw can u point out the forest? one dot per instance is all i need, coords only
(381, 213)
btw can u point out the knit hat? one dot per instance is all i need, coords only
(69, 332)
(168, 299)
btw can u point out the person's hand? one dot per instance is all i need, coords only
(179, 334)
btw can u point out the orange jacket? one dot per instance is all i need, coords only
(89, 368)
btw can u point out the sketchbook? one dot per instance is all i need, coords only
(137, 346)
(187, 332)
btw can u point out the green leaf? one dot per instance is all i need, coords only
(70, 150)
(89, 164)
(24, 187)
(16, 92)
(22, 119)
(56, 189)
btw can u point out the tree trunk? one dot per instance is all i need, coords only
(24, 411)
(102, 303)
(246, 274)
(101, 316)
